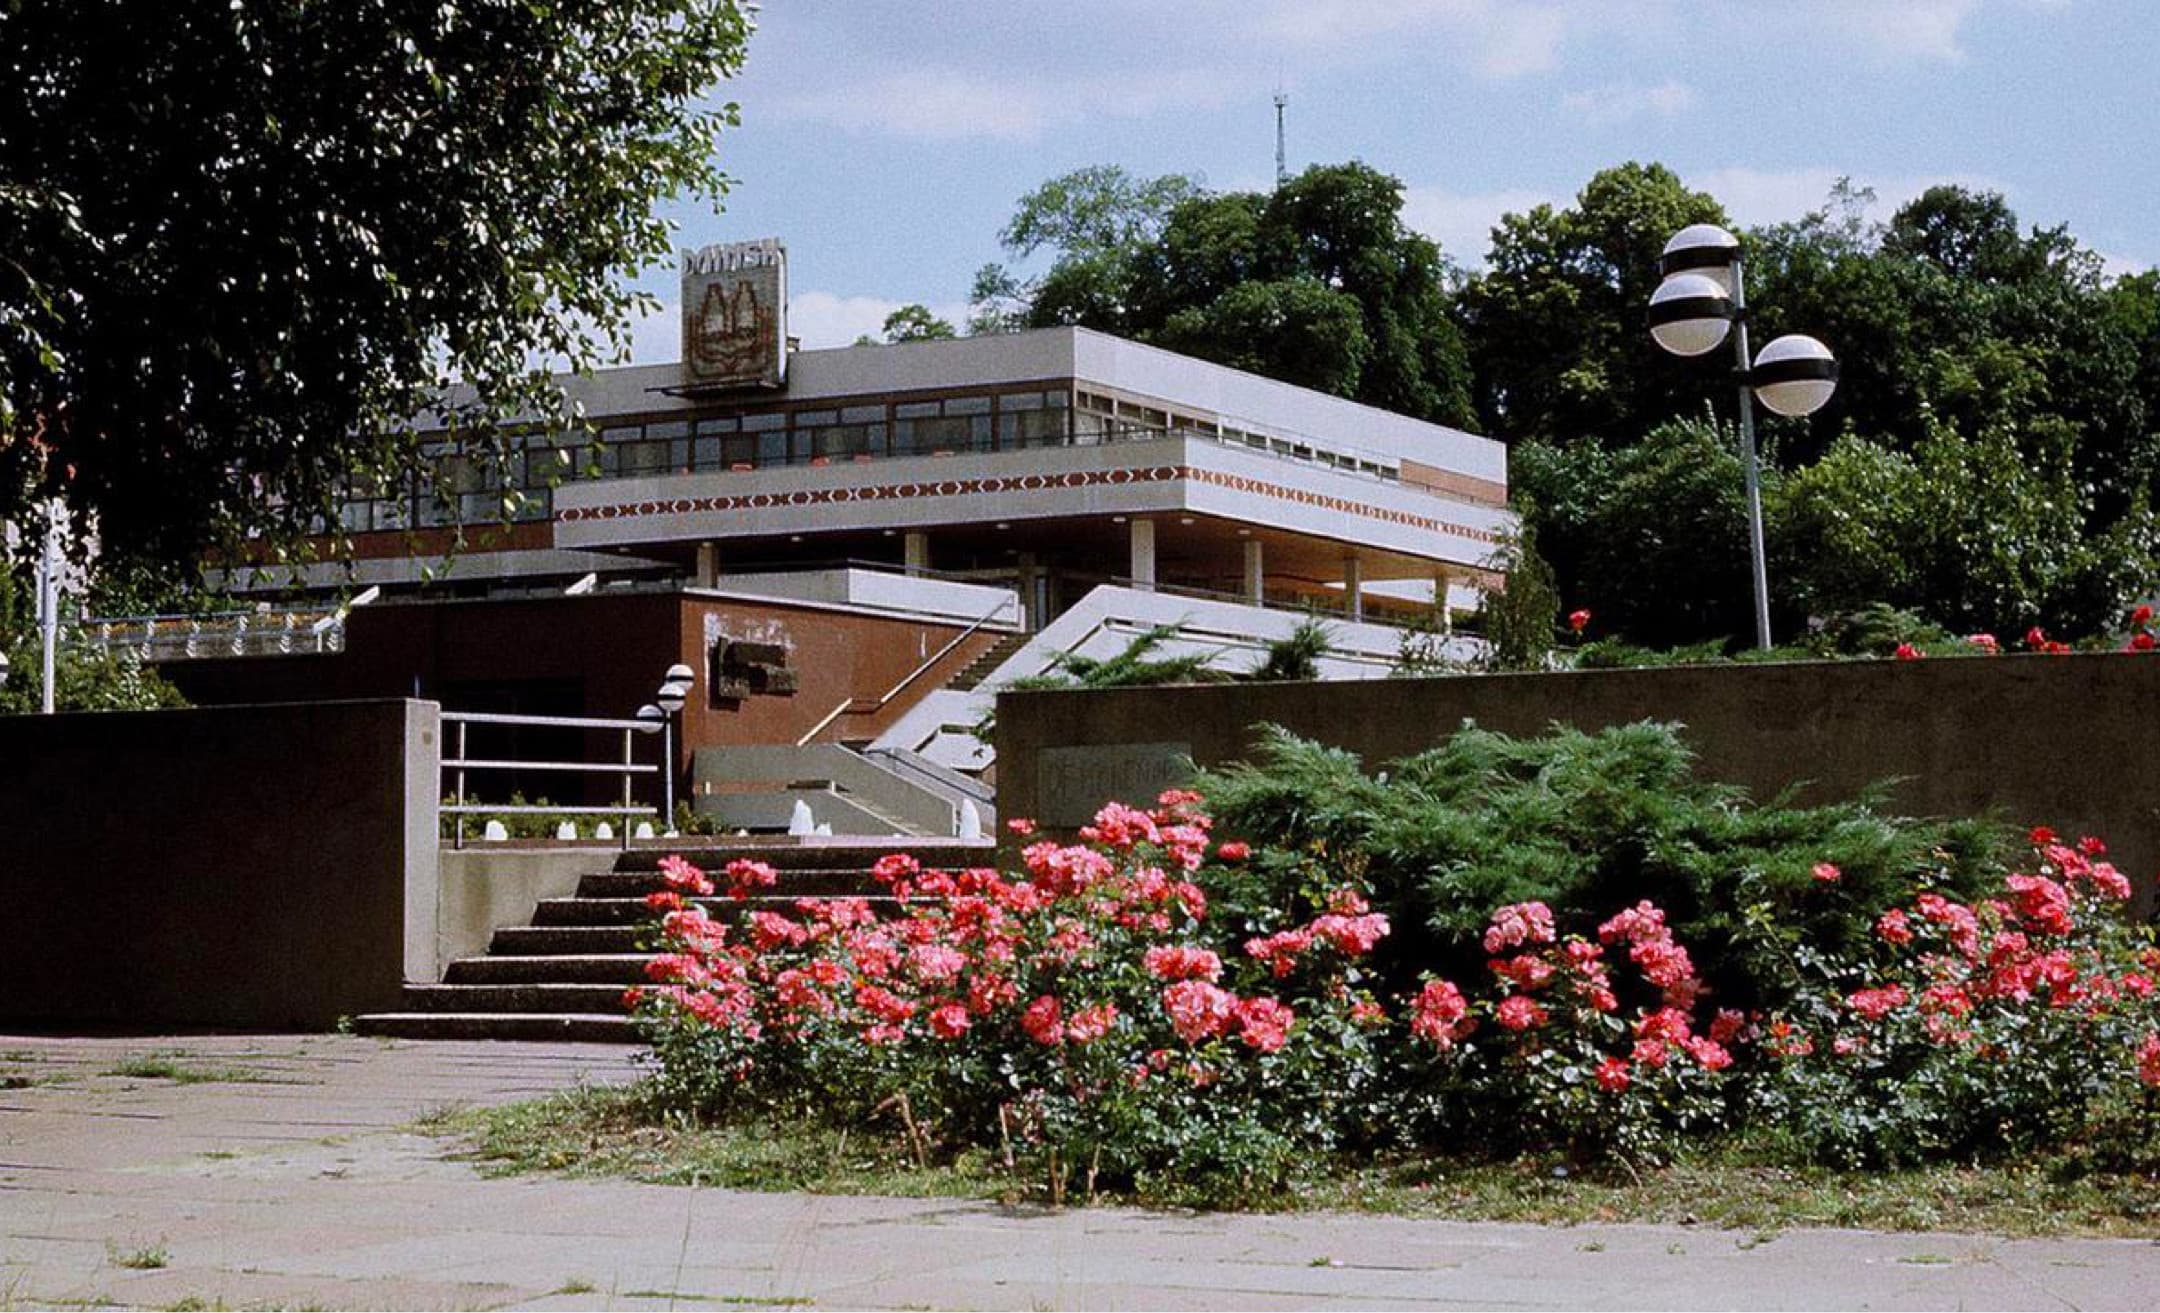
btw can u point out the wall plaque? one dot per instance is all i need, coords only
(734, 306)
(1072, 784)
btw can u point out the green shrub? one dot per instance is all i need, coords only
(1586, 823)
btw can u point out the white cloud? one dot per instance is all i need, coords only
(824, 319)
(1462, 224)
(1620, 102)
(2116, 265)
(934, 104)
(656, 338)
(816, 319)
(1502, 38)
(1899, 29)
(1761, 196)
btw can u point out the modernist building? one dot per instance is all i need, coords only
(889, 517)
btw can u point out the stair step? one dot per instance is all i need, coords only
(564, 940)
(806, 883)
(550, 998)
(825, 854)
(593, 1027)
(633, 911)
(550, 969)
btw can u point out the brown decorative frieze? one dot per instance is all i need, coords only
(918, 489)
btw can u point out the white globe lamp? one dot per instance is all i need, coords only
(1701, 248)
(1794, 375)
(1690, 314)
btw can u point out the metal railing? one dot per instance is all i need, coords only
(628, 768)
(160, 638)
(867, 706)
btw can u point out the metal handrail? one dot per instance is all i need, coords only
(857, 705)
(628, 768)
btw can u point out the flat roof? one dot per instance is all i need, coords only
(1087, 357)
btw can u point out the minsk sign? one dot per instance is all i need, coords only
(734, 303)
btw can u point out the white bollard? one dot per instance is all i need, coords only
(644, 830)
(566, 830)
(495, 832)
(970, 819)
(603, 831)
(800, 822)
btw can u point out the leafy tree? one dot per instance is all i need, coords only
(1554, 324)
(85, 677)
(245, 243)
(1653, 537)
(914, 323)
(1520, 618)
(1093, 221)
(1318, 283)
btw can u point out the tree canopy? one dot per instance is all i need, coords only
(1319, 282)
(242, 244)
(1991, 458)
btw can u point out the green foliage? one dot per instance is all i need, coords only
(1978, 533)
(1135, 666)
(1554, 324)
(1588, 824)
(1520, 619)
(1318, 282)
(1652, 537)
(1296, 655)
(86, 677)
(246, 244)
(914, 323)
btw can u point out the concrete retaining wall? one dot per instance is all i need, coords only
(2061, 741)
(253, 867)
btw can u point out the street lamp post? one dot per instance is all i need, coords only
(1703, 297)
(48, 598)
(674, 692)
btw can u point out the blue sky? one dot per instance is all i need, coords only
(887, 142)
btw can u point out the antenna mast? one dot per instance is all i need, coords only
(1282, 166)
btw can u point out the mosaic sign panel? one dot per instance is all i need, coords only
(734, 305)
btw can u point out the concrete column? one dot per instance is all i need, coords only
(708, 565)
(1143, 555)
(1353, 578)
(1255, 571)
(918, 550)
(1030, 582)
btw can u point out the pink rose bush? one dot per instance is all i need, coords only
(1083, 1009)
(1152, 1004)
(2018, 1021)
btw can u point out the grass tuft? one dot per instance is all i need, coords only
(617, 1132)
(145, 1259)
(168, 1066)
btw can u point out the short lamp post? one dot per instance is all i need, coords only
(655, 721)
(674, 692)
(1704, 297)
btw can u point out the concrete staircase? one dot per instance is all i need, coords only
(975, 672)
(562, 976)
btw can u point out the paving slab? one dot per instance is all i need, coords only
(301, 1184)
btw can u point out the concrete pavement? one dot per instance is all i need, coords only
(288, 1182)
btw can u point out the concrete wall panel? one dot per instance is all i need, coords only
(237, 866)
(2059, 741)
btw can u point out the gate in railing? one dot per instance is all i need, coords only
(461, 761)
